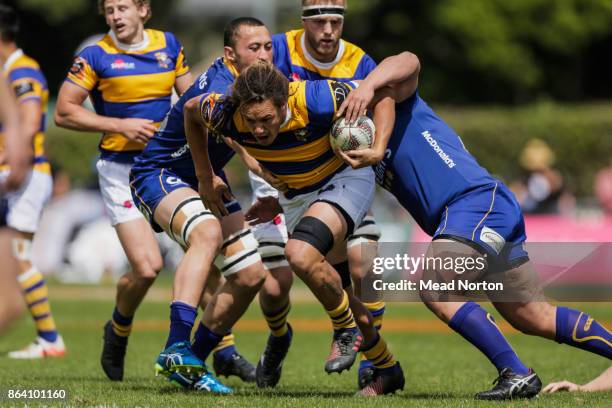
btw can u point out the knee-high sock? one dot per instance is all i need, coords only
(37, 298)
(478, 327)
(580, 330)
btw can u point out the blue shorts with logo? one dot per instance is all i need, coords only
(489, 219)
(150, 185)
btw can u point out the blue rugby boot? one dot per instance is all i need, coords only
(179, 358)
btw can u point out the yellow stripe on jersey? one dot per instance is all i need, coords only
(303, 180)
(344, 68)
(136, 88)
(118, 142)
(306, 152)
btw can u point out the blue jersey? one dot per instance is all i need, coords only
(292, 58)
(169, 148)
(426, 165)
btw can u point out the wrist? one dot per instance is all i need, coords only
(114, 125)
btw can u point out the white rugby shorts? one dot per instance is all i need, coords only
(26, 204)
(114, 179)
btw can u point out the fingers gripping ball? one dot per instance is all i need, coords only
(352, 136)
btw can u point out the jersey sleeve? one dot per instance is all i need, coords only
(181, 66)
(366, 65)
(26, 84)
(324, 98)
(83, 72)
(213, 111)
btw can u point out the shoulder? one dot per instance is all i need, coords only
(172, 43)
(26, 67)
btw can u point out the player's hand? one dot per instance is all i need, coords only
(360, 158)
(356, 103)
(263, 210)
(561, 386)
(212, 194)
(137, 130)
(274, 181)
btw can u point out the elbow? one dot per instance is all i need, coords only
(60, 116)
(411, 60)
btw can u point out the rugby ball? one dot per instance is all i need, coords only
(352, 136)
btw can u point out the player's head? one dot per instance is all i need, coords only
(323, 21)
(9, 24)
(245, 41)
(126, 18)
(261, 93)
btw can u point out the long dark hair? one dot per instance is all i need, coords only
(259, 82)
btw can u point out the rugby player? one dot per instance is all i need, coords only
(165, 186)
(282, 128)
(468, 213)
(15, 153)
(25, 205)
(129, 75)
(314, 52)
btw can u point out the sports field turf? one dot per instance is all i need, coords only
(441, 369)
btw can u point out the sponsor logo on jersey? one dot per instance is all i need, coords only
(184, 149)
(434, 145)
(340, 91)
(121, 64)
(301, 134)
(162, 59)
(493, 239)
(78, 65)
(23, 88)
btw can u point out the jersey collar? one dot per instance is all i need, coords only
(18, 53)
(319, 64)
(131, 47)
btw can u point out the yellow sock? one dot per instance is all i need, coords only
(342, 316)
(36, 296)
(379, 354)
(227, 341)
(377, 310)
(277, 322)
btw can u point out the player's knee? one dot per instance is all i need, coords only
(206, 235)
(311, 238)
(251, 278)
(144, 272)
(296, 253)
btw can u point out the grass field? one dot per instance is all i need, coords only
(441, 369)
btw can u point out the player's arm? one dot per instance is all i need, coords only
(15, 146)
(211, 187)
(182, 83)
(400, 73)
(252, 164)
(70, 113)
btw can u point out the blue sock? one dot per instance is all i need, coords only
(479, 328)
(182, 317)
(580, 330)
(205, 341)
(49, 336)
(121, 319)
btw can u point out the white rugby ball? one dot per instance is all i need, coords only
(358, 135)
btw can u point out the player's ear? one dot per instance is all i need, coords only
(229, 54)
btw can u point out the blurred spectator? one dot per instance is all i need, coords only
(603, 188)
(543, 190)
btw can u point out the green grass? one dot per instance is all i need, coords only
(441, 369)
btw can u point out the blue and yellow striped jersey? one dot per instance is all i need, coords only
(135, 83)
(29, 84)
(301, 154)
(292, 58)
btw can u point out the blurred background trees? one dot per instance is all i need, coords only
(501, 72)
